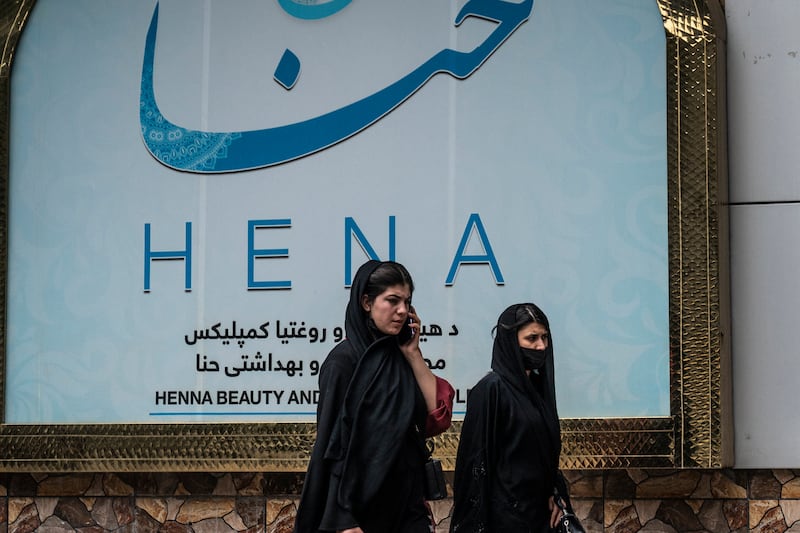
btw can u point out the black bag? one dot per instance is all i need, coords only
(435, 486)
(568, 523)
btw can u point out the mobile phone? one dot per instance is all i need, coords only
(406, 333)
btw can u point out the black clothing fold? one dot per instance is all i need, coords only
(366, 466)
(507, 462)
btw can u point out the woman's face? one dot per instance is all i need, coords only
(534, 336)
(389, 310)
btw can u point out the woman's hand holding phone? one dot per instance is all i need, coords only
(410, 329)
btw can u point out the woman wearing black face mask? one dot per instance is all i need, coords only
(507, 465)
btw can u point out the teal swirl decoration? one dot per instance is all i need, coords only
(312, 9)
(174, 146)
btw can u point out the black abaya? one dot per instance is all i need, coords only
(366, 467)
(507, 462)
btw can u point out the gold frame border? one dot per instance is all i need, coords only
(697, 434)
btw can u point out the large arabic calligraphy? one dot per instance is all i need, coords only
(216, 152)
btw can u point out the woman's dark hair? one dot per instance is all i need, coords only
(388, 274)
(524, 314)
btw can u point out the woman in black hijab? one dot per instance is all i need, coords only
(378, 401)
(507, 462)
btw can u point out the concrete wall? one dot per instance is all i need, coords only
(764, 165)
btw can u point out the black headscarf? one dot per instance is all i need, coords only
(507, 463)
(379, 406)
(540, 386)
(362, 466)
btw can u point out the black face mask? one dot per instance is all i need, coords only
(533, 359)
